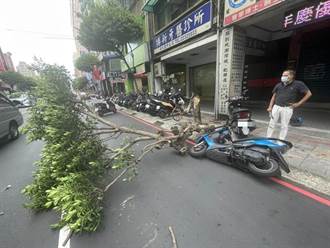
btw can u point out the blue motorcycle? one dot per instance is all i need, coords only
(260, 156)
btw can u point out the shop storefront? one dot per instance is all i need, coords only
(284, 34)
(138, 61)
(184, 49)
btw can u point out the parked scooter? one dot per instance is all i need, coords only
(103, 107)
(168, 102)
(260, 156)
(240, 118)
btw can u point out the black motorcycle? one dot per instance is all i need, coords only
(240, 118)
(103, 107)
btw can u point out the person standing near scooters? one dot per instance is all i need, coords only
(284, 100)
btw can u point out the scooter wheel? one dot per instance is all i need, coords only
(162, 114)
(198, 150)
(268, 170)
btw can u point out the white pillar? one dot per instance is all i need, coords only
(230, 67)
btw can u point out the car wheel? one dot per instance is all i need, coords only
(13, 131)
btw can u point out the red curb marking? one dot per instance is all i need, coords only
(141, 120)
(301, 191)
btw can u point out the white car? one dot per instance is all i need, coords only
(10, 119)
(22, 102)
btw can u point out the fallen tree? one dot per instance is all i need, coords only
(72, 174)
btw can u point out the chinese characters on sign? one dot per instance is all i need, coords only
(225, 67)
(236, 10)
(307, 14)
(237, 64)
(197, 22)
(231, 66)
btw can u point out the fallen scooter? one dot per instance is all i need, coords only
(260, 156)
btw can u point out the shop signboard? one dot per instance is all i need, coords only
(315, 11)
(117, 77)
(194, 23)
(237, 10)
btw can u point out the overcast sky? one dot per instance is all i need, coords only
(39, 28)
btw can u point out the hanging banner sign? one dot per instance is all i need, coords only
(312, 13)
(236, 10)
(194, 23)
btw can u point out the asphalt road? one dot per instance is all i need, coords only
(20, 227)
(208, 205)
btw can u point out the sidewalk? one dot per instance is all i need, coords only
(309, 158)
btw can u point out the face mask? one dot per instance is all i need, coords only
(285, 79)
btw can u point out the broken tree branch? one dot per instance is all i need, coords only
(173, 237)
(117, 178)
(121, 129)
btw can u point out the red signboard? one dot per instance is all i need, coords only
(249, 10)
(314, 12)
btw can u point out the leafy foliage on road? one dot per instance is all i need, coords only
(73, 159)
(73, 169)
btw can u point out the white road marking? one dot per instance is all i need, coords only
(151, 240)
(64, 232)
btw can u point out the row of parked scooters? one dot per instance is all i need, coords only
(164, 104)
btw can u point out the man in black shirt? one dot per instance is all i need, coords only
(285, 98)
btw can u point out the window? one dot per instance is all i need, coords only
(167, 11)
(4, 102)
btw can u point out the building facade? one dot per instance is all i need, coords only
(138, 76)
(184, 46)
(76, 8)
(220, 49)
(25, 69)
(283, 34)
(6, 62)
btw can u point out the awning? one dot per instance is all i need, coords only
(140, 75)
(149, 5)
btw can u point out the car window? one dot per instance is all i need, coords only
(4, 102)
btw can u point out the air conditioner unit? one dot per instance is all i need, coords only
(159, 69)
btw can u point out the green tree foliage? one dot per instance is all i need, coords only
(73, 159)
(107, 26)
(86, 62)
(80, 83)
(85, 5)
(14, 78)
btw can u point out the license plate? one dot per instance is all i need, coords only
(147, 106)
(244, 124)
